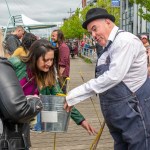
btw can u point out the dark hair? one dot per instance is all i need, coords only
(40, 48)
(60, 36)
(27, 40)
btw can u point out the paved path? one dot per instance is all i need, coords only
(76, 138)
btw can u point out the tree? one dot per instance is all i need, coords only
(144, 4)
(112, 10)
(72, 27)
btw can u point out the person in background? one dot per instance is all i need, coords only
(148, 52)
(69, 44)
(82, 43)
(75, 48)
(12, 41)
(121, 82)
(15, 108)
(81, 50)
(145, 41)
(148, 60)
(37, 75)
(64, 57)
(148, 67)
(27, 41)
(86, 47)
(1, 44)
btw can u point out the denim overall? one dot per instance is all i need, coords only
(127, 114)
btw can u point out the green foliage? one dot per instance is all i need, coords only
(115, 11)
(86, 59)
(83, 15)
(72, 27)
(143, 4)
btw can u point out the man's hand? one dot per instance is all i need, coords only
(88, 127)
(67, 108)
(61, 70)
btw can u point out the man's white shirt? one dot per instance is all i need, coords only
(128, 63)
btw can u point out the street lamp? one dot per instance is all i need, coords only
(10, 18)
(8, 8)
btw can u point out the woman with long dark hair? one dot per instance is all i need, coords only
(38, 75)
(16, 110)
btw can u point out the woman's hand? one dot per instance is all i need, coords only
(88, 127)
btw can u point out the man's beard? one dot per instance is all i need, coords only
(56, 41)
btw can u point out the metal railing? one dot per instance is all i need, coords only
(88, 53)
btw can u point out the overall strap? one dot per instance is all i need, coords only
(106, 48)
(110, 42)
(108, 57)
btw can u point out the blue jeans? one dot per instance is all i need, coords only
(37, 126)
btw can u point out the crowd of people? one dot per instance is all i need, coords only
(16, 110)
(37, 66)
(41, 68)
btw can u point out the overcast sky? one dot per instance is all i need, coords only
(39, 10)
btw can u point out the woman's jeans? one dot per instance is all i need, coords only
(37, 126)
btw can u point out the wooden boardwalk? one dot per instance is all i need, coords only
(76, 137)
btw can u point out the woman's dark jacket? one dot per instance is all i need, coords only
(16, 110)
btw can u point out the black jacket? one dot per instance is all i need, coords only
(12, 42)
(15, 109)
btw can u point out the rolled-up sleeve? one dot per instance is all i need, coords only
(63, 55)
(128, 64)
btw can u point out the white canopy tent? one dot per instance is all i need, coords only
(29, 24)
(32, 24)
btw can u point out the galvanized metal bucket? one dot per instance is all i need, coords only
(53, 117)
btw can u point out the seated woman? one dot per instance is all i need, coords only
(37, 74)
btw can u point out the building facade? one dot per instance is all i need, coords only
(130, 20)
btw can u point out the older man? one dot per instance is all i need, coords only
(121, 82)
